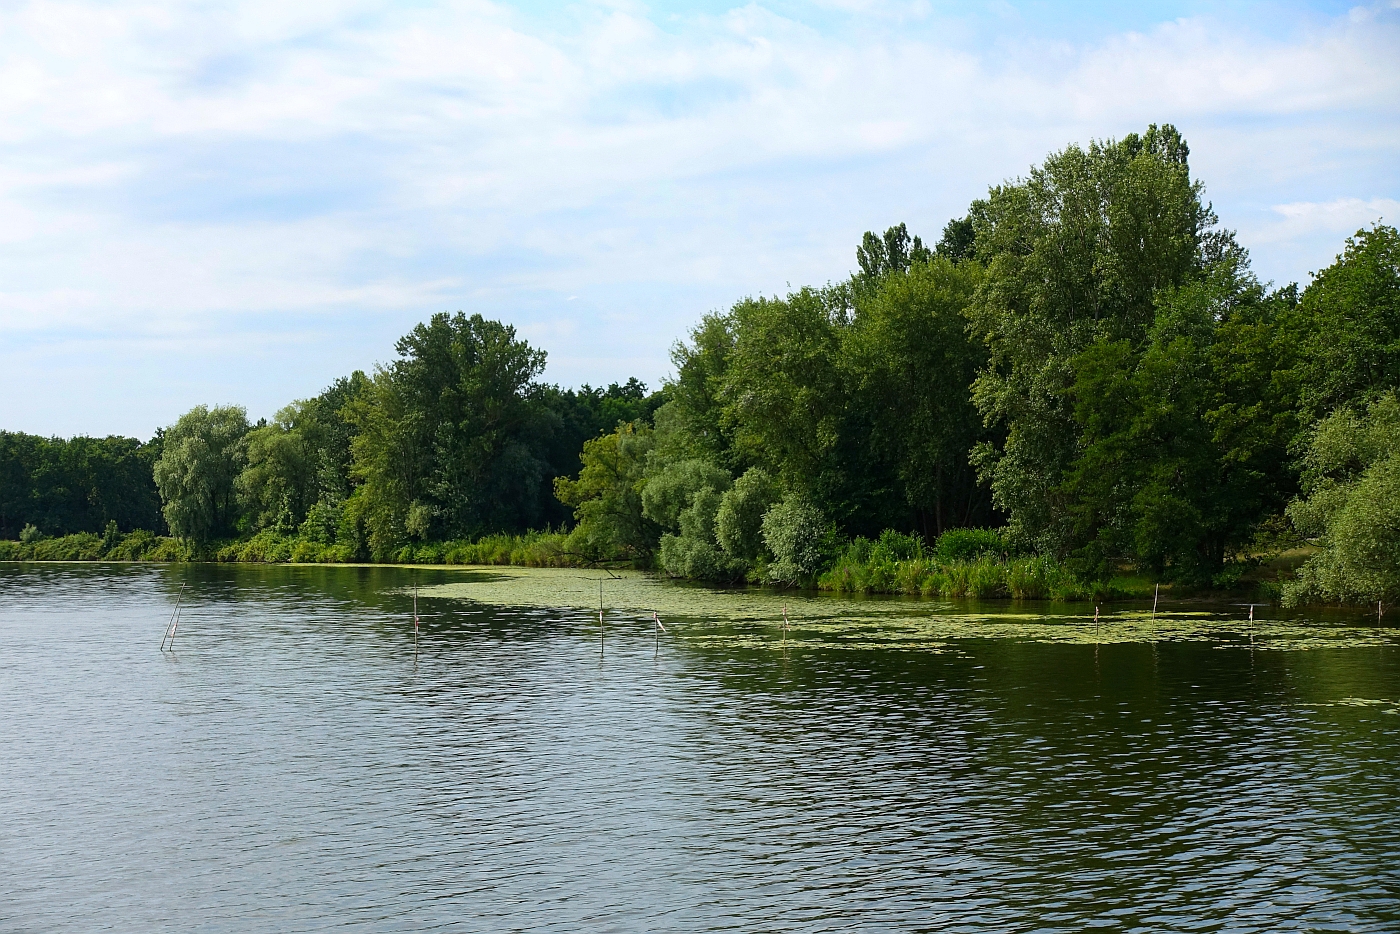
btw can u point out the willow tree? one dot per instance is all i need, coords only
(202, 456)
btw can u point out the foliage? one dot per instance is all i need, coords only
(855, 395)
(969, 544)
(868, 570)
(607, 498)
(800, 538)
(1182, 450)
(1075, 256)
(683, 498)
(910, 360)
(301, 463)
(1351, 482)
(446, 443)
(672, 488)
(1347, 325)
(279, 479)
(693, 552)
(739, 519)
(1081, 379)
(895, 252)
(203, 454)
(77, 485)
(139, 545)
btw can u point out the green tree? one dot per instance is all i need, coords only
(739, 518)
(683, 498)
(783, 392)
(446, 444)
(694, 552)
(1075, 254)
(203, 454)
(1347, 325)
(1351, 506)
(959, 241)
(62, 486)
(1181, 439)
(692, 422)
(895, 252)
(800, 538)
(607, 499)
(909, 360)
(297, 472)
(278, 485)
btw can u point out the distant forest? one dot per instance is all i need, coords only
(1082, 368)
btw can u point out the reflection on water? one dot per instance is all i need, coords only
(901, 766)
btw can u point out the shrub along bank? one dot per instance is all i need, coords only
(962, 563)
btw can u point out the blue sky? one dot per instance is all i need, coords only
(237, 203)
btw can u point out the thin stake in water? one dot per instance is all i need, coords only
(173, 626)
(659, 629)
(415, 621)
(785, 623)
(600, 617)
(1251, 619)
(1155, 593)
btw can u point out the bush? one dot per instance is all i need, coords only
(739, 521)
(968, 544)
(1351, 475)
(800, 539)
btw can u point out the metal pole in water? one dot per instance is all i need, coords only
(415, 621)
(174, 625)
(600, 617)
(1155, 593)
(785, 623)
(656, 618)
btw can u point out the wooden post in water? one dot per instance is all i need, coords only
(173, 626)
(1096, 620)
(1155, 593)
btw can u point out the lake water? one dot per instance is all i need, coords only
(896, 766)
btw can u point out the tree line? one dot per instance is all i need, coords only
(1084, 362)
(58, 486)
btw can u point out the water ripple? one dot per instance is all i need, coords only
(291, 768)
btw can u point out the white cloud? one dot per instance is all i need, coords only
(170, 162)
(1341, 216)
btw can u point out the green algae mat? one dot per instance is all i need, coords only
(754, 617)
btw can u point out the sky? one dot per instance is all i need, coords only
(236, 203)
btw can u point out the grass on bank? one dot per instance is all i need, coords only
(533, 549)
(964, 563)
(961, 563)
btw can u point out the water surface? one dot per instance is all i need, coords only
(900, 765)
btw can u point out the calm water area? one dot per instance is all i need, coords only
(888, 765)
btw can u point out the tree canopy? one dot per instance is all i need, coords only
(1082, 368)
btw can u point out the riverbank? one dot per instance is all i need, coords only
(865, 568)
(533, 549)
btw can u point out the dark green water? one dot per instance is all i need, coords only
(290, 768)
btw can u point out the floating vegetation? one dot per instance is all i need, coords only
(748, 617)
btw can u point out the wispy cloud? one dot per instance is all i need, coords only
(600, 177)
